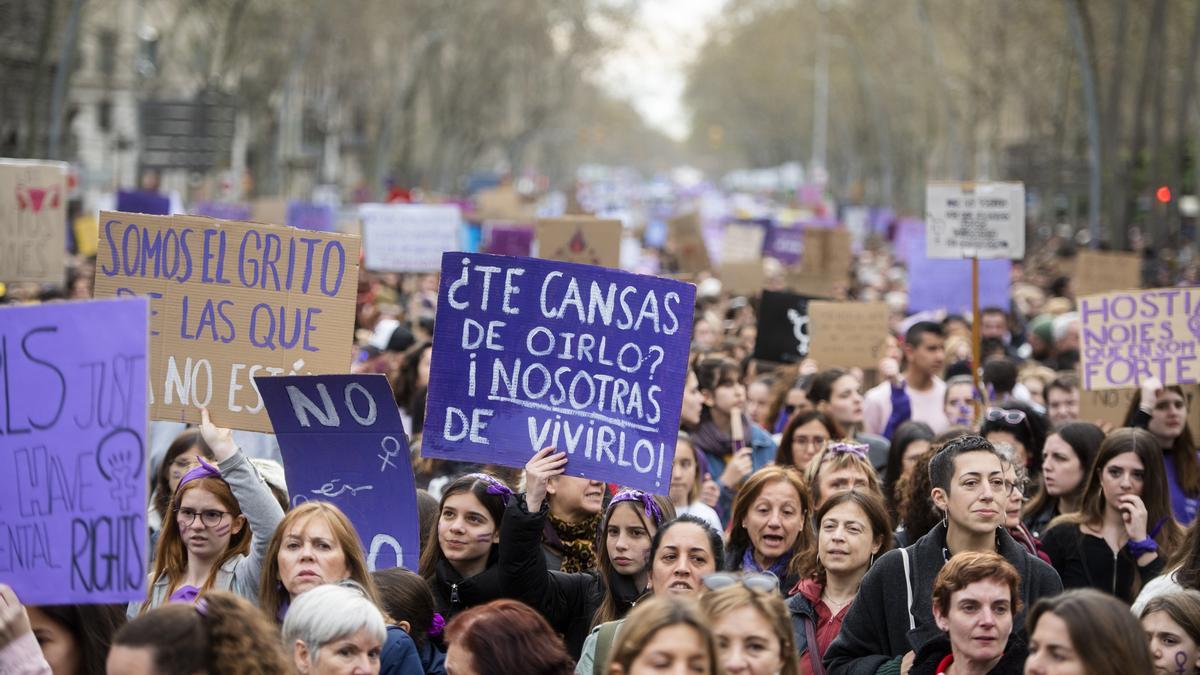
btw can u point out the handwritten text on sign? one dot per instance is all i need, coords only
(72, 479)
(985, 220)
(343, 442)
(228, 301)
(532, 353)
(1128, 337)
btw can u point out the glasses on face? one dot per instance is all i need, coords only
(210, 517)
(1008, 416)
(762, 582)
(810, 441)
(1020, 484)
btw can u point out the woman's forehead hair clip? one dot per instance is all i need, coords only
(204, 470)
(650, 506)
(494, 486)
(847, 448)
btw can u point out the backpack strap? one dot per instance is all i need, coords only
(912, 623)
(813, 656)
(604, 642)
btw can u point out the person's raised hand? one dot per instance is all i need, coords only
(1152, 388)
(540, 468)
(740, 466)
(219, 439)
(1134, 514)
(710, 491)
(14, 622)
(889, 369)
(809, 367)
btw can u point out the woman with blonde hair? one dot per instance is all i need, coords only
(752, 630)
(769, 529)
(664, 633)
(841, 466)
(315, 544)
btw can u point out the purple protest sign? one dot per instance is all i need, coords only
(343, 442)
(151, 203)
(72, 460)
(785, 244)
(507, 239)
(223, 210)
(310, 216)
(938, 283)
(530, 353)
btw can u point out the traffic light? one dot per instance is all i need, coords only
(1163, 194)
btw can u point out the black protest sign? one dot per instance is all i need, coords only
(782, 327)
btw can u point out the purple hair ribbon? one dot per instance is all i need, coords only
(494, 486)
(651, 507)
(205, 470)
(859, 450)
(438, 624)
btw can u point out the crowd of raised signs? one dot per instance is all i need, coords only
(921, 516)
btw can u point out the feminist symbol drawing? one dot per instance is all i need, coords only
(119, 458)
(800, 330)
(31, 198)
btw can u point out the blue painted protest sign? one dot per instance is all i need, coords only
(530, 353)
(151, 203)
(343, 442)
(72, 460)
(230, 300)
(939, 283)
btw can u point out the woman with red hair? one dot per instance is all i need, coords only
(505, 636)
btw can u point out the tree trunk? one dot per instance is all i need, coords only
(1115, 175)
(1081, 36)
(1135, 164)
(1182, 140)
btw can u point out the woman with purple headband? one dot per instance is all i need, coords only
(220, 522)
(573, 603)
(841, 466)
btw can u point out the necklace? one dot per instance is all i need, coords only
(835, 605)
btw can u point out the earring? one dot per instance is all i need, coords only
(872, 562)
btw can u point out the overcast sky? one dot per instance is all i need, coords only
(648, 70)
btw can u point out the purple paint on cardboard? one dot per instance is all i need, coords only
(151, 203)
(309, 216)
(531, 353)
(343, 442)
(72, 451)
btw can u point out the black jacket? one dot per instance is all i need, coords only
(452, 593)
(1086, 561)
(1012, 663)
(567, 601)
(876, 629)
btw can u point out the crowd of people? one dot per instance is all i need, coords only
(819, 519)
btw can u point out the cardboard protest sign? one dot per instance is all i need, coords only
(529, 353)
(1103, 271)
(783, 335)
(230, 300)
(825, 264)
(408, 237)
(507, 239)
(690, 250)
(743, 242)
(743, 278)
(983, 220)
(1129, 336)
(1112, 405)
(503, 203)
(847, 334)
(580, 239)
(33, 221)
(310, 216)
(343, 442)
(138, 201)
(940, 284)
(72, 451)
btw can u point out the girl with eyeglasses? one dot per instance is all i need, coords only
(1163, 411)
(752, 630)
(852, 529)
(180, 458)
(1017, 484)
(1124, 531)
(221, 521)
(804, 437)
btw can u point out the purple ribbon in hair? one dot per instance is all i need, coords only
(205, 470)
(859, 450)
(438, 625)
(494, 486)
(651, 507)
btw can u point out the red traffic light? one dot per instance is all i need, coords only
(1163, 194)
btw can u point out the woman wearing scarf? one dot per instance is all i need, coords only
(769, 528)
(570, 531)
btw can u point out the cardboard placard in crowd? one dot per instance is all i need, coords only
(982, 220)
(310, 216)
(33, 221)
(230, 300)
(743, 278)
(507, 239)
(529, 353)
(688, 241)
(1112, 405)
(783, 335)
(1096, 272)
(1129, 336)
(825, 264)
(342, 442)
(72, 451)
(742, 242)
(847, 334)
(503, 203)
(580, 239)
(408, 237)
(269, 210)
